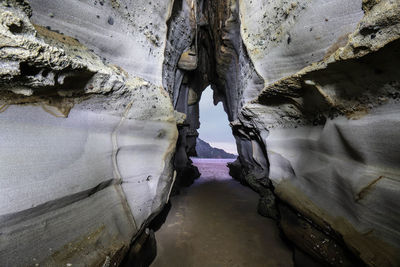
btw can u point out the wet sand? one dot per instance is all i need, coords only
(215, 223)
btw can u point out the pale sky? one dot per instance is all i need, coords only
(214, 124)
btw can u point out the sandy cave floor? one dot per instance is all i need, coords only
(214, 222)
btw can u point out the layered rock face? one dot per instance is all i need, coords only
(311, 89)
(323, 128)
(91, 93)
(86, 146)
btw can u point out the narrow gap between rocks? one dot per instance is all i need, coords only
(214, 222)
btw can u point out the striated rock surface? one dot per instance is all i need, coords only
(326, 121)
(86, 148)
(130, 34)
(311, 89)
(93, 95)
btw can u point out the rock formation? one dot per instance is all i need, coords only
(311, 89)
(86, 146)
(94, 93)
(323, 126)
(205, 150)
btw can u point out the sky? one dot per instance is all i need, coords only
(214, 124)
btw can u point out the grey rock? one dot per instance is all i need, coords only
(267, 206)
(310, 88)
(86, 161)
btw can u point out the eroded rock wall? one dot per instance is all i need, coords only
(311, 89)
(210, 32)
(88, 131)
(324, 126)
(86, 146)
(130, 34)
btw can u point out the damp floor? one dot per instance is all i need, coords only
(215, 222)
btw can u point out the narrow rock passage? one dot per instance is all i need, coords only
(215, 223)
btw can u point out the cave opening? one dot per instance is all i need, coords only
(200, 58)
(205, 67)
(214, 128)
(214, 221)
(103, 105)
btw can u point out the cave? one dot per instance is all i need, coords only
(99, 117)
